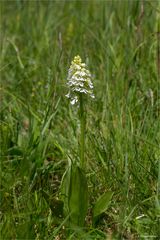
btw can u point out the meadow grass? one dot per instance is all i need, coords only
(39, 129)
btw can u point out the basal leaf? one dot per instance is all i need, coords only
(65, 188)
(102, 204)
(74, 192)
(78, 198)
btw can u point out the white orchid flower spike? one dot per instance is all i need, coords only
(79, 80)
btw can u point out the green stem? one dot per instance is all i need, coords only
(82, 134)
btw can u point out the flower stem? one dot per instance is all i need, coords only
(82, 133)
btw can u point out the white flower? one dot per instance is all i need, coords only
(79, 80)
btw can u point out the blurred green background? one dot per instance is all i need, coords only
(119, 41)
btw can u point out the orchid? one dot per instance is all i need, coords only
(79, 80)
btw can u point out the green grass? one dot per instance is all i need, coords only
(39, 129)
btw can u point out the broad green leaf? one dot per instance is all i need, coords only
(65, 186)
(102, 204)
(78, 199)
(74, 191)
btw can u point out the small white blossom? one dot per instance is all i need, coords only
(79, 80)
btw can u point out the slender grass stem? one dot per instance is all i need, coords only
(82, 133)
